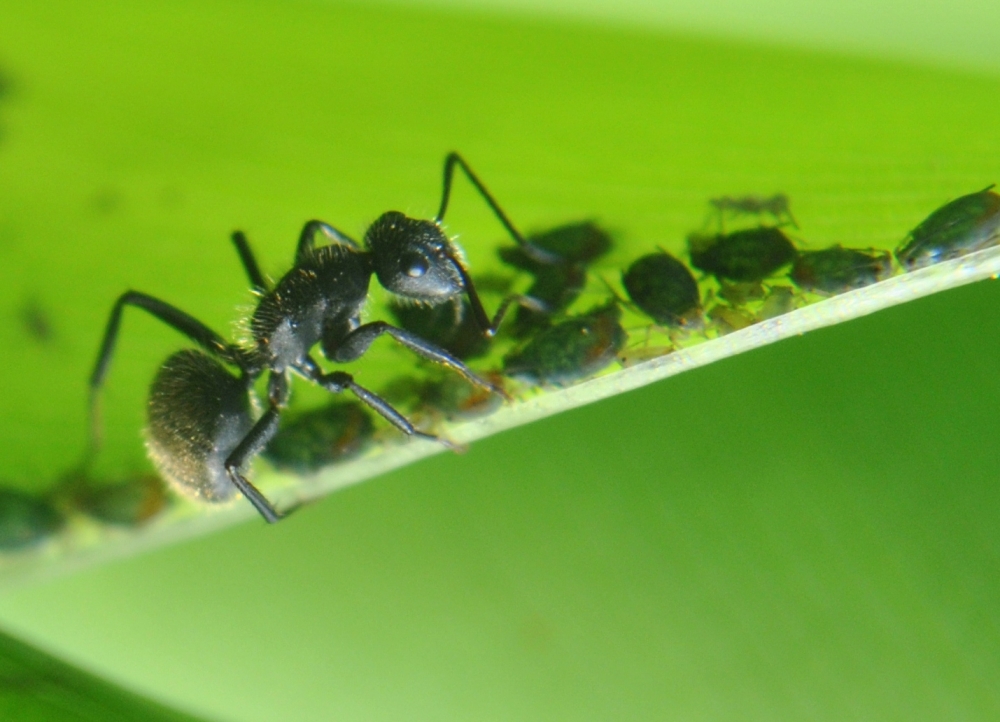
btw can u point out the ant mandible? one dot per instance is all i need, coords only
(201, 432)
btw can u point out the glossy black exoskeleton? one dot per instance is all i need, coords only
(453, 327)
(202, 430)
(320, 437)
(664, 289)
(964, 225)
(776, 206)
(838, 269)
(560, 271)
(748, 255)
(26, 520)
(570, 350)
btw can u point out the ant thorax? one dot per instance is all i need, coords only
(325, 291)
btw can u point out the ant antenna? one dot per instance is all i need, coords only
(538, 254)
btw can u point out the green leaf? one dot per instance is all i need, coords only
(37, 686)
(812, 516)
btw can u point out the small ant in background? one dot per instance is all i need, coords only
(777, 206)
(201, 430)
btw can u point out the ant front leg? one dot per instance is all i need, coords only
(337, 382)
(452, 160)
(173, 317)
(356, 343)
(490, 327)
(254, 442)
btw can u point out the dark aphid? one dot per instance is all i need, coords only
(129, 503)
(580, 242)
(967, 224)
(747, 255)
(452, 327)
(456, 399)
(26, 520)
(838, 269)
(562, 275)
(664, 289)
(320, 437)
(201, 430)
(571, 350)
(776, 206)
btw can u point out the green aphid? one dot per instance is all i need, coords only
(747, 255)
(664, 289)
(26, 520)
(319, 437)
(127, 503)
(967, 224)
(572, 247)
(838, 269)
(571, 350)
(451, 327)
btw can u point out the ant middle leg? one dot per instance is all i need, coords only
(338, 382)
(356, 343)
(249, 261)
(307, 239)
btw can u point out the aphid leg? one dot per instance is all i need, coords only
(338, 382)
(357, 342)
(170, 315)
(453, 159)
(249, 262)
(307, 239)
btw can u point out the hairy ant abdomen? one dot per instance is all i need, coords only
(198, 413)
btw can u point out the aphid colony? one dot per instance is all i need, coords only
(205, 422)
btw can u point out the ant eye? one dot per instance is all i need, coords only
(416, 266)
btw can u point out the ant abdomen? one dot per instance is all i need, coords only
(198, 413)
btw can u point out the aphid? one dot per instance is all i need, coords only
(728, 319)
(452, 327)
(320, 437)
(776, 206)
(26, 520)
(964, 225)
(747, 255)
(203, 431)
(838, 269)
(571, 350)
(779, 301)
(640, 354)
(562, 275)
(664, 289)
(456, 399)
(130, 503)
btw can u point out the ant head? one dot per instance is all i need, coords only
(414, 259)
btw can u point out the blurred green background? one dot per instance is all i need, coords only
(807, 531)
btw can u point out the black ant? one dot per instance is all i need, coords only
(201, 431)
